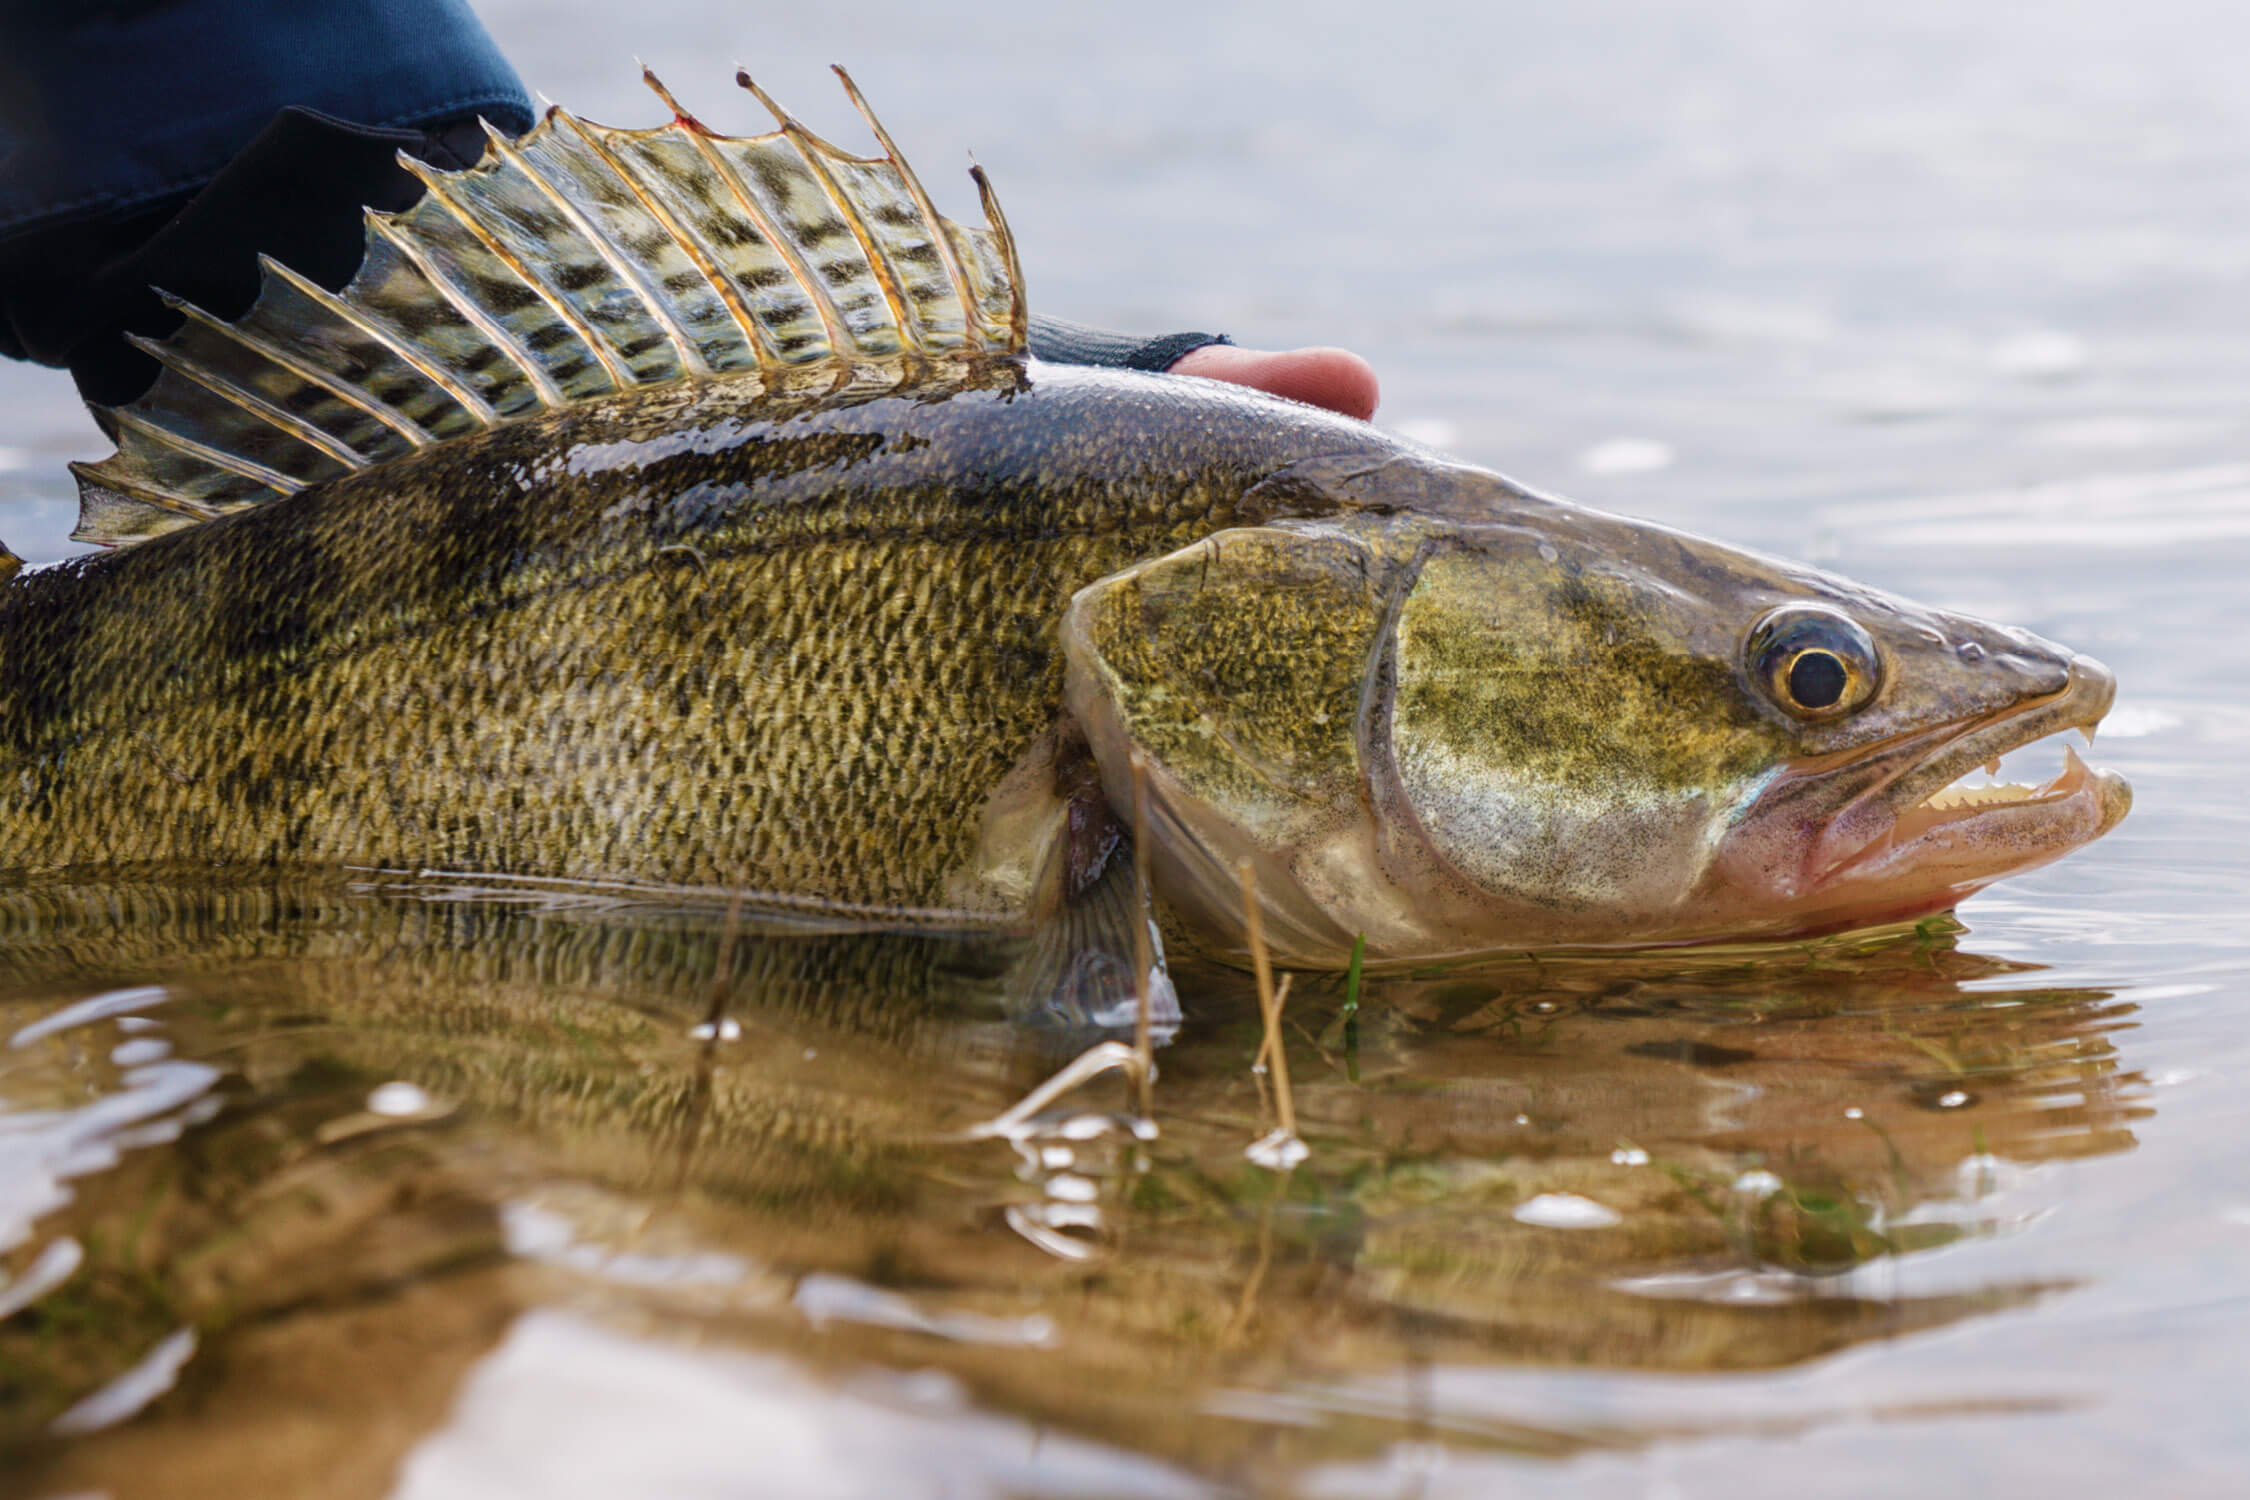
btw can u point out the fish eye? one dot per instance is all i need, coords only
(1814, 661)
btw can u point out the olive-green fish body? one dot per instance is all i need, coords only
(670, 509)
(674, 638)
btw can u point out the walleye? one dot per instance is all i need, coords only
(680, 510)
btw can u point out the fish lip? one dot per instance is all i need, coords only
(1866, 830)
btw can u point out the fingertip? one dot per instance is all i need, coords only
(1336, 379)
(1341, 381)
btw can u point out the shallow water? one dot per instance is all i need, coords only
(1958, 303)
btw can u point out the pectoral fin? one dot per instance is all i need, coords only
(1091, 922)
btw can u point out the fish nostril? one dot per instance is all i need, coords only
(1969, 651)
(2040, 675)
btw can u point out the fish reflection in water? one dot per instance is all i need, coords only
(418, 1118)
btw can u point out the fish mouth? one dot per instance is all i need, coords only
(1922, 838)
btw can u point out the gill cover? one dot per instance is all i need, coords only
(1561, 733)
(1238, 667)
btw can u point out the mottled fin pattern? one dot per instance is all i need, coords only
(569, 264)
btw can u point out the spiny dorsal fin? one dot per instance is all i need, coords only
(574, 262)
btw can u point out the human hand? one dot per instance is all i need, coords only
(1335, 378)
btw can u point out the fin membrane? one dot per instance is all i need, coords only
(575, 262)
(1077, 969)
(1094, 924)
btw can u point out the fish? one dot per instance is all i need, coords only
(674, 512)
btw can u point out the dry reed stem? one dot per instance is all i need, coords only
(1270, 1049)
(722, 968)
(1091, 1063)
(1285, 1102)
(714, 1029)
(1247, 1303)
(1143, 959)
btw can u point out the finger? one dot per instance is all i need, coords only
(1335, 378)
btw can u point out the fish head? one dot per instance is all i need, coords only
(1500, 722)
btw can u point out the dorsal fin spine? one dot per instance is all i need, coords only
(802, 135)
(878, 261)
(233, 463)
(941, 241)
(401, 349)
(433, 182)
(808, 280)
(1019, 312)
(298, 428)
(810, 149)
(542, 384)
(690, 246)
(691, 358)
(86, 474)
(886, 275)
(342, 390)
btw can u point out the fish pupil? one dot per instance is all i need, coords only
(1817, 679)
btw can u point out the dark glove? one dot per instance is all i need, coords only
(1076, 344)
(69, 294)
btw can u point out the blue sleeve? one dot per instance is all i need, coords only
(110, 104)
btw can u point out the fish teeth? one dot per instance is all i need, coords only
(1958, 795)
(1965, 794)
(2072, 775)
